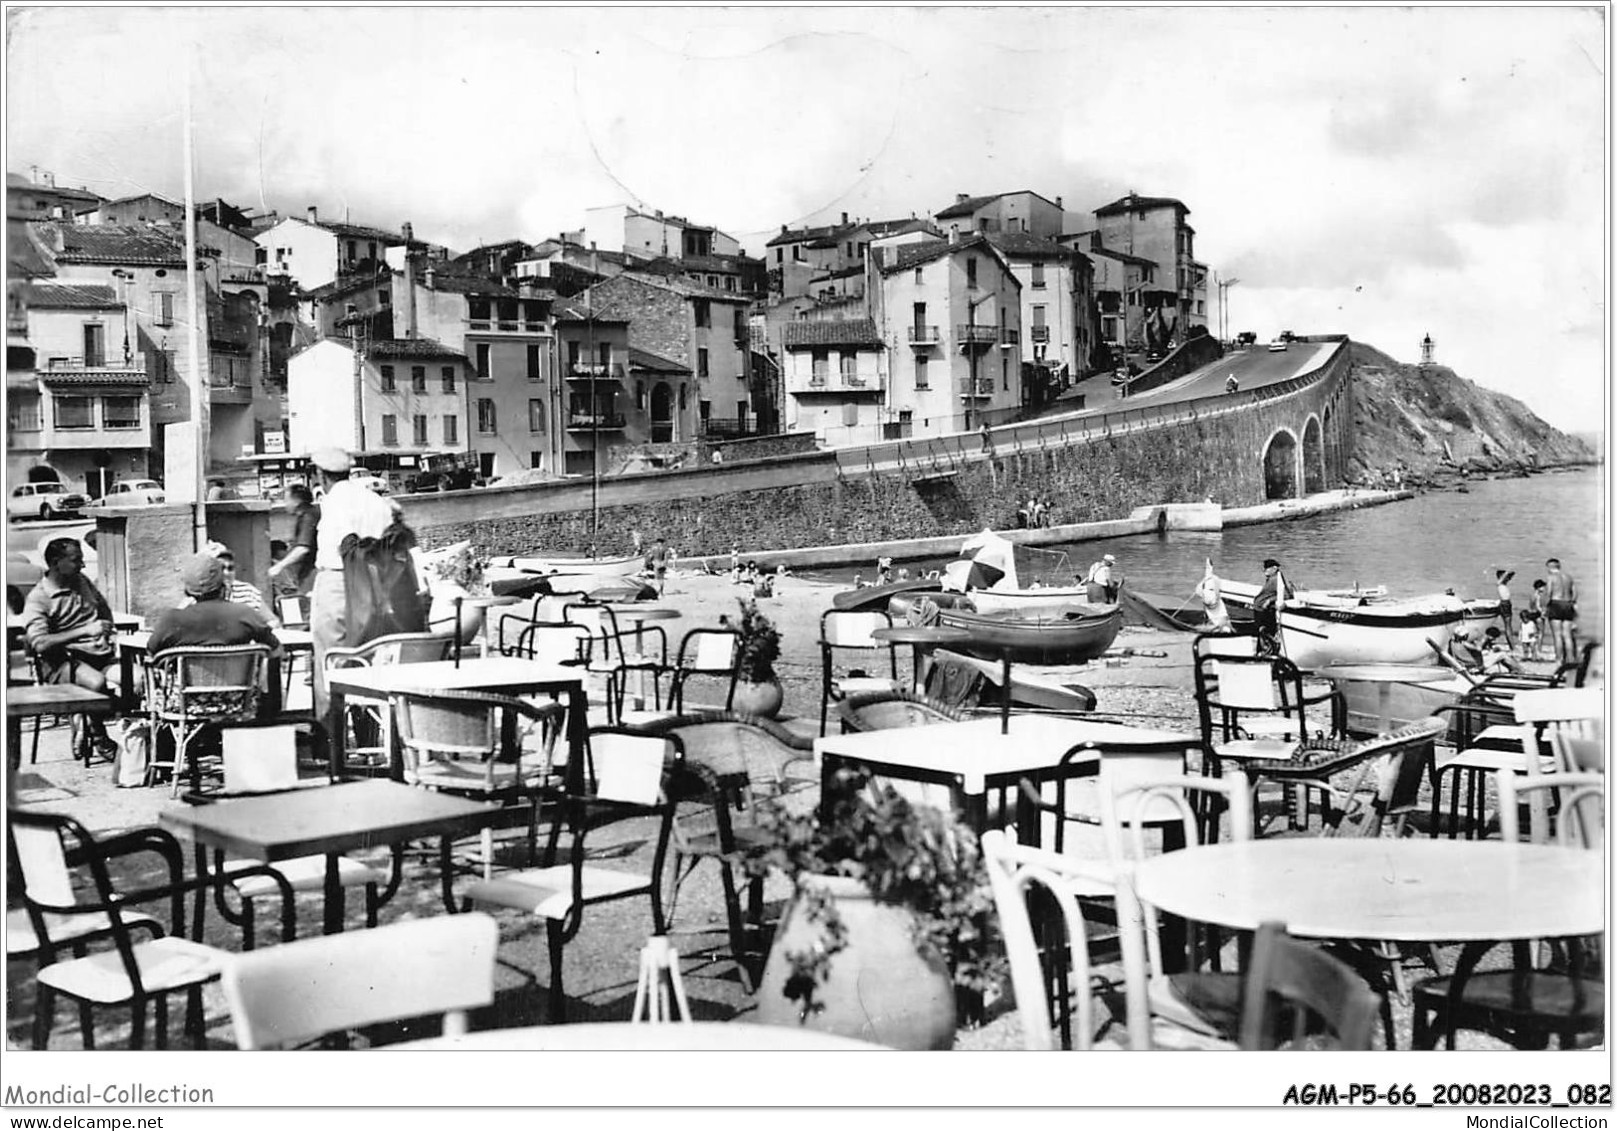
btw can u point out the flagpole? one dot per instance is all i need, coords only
(199, 382)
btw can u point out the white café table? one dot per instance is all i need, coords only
(501, 675)
(975, 755)
(710, 1036)
(1405, 890)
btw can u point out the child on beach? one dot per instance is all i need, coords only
(1529, 635)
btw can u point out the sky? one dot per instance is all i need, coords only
(1384, 172)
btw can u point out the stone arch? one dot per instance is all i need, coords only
(1280, 476)
(1313, 456)
(662, 413)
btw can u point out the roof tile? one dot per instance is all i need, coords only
(850, 332)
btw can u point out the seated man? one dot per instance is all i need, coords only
(68, 625)
(212, 618)
(236, 590)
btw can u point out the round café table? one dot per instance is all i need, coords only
(1407, 890)
(922, 638)
(1385, 676)
(712, 1036)
(638, 615)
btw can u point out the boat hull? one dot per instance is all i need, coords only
(875, 597)
(584, 567)
(1069, 639)
(1042, 602)
(1316, 632)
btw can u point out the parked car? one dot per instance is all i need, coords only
(1278, 346)
(133, 493)
(43, 500)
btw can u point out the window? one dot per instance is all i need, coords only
(389, 385)
(533, 312)
(701, 361)
(797, 253)
(508, 313)
(603, 351)
(75, 412)
(95, 344)
(420, 437)
(536, 416)
(922, 381)
(536, 460)
(682, 398)
(165, 308)
(485, 366)
(370, 250)
(640, 395)
(822, 367)
(451, 430)
(23, 411)
(533, 363)
(971, 271)
(849, 246)
(581, 463)
(849, 365)
(704, 313)
(1005, 373)
(1038, 275)
(390, 431)
(850, 414)
(449, 378)
(1038, 315)
(918, 271)
(729, 283)
(120, 412)
(740, 327)
(384, 297)
(353, 250)
(418, 378)
(477, 308)
(741, 415)
(780, 257)
(486, 421)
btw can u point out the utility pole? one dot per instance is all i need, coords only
(1224, 286)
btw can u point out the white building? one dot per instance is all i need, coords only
(835, 378)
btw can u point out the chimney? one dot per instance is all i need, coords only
(844, 219)
(314, 214)
(409, 285)
(409, 232)
(783, 229)
(961, 197)
(50, 179)
(954, 233)
(429, 280)
(1059, 204)
(595, 259)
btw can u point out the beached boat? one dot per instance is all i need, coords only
(1318, 629)
(874, 598)
(1029, 688)
(1069, 638)
(574, 565)
(1002, 576)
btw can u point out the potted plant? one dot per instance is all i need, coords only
(758, 690)
(455, 572)
(892, 916)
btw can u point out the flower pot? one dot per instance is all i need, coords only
(761, 699)
(878, 989)
(441, 614)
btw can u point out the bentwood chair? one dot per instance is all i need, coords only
(369, 723)
(614, 654)
(72, 900)
(188, 689)
(292, 994)
(1290, 981)
(627, 776)
(850, 631)
(1528, 1003)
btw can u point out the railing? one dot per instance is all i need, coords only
(923, 335)
(839, 383)
(61, 364)
(1040, 333)
(596, 370)
(585, 421)
(1009, 336)
(977, 335)
(730, 427)
(977, 387)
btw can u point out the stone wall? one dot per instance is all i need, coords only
(794, 501)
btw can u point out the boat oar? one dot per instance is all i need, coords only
(1450, 662)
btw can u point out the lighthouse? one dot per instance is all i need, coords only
(1427, 347)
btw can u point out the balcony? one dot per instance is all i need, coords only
(1009, 337)
(594, 371)
(95, 371)
(592, 422)
(505, 326)
(977, 388)
(922, 337)
(976, 335)
(1040, 333)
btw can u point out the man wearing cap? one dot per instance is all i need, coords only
(1102, 589)
(211, 618)
(1266, 606)
(237, 590)
(346, 508)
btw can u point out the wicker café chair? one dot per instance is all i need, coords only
(191, 688)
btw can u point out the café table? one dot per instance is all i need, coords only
(500, 675)
(974, 756)
(694, 1036)
(638, 615)
(329, 821)
(133, 644)
(30, 702)
(922, 639)
(1383, 889)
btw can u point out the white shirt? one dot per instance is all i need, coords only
(348, 509)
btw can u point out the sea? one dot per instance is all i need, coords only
(1436, 541)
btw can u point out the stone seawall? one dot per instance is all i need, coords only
(1206, 450)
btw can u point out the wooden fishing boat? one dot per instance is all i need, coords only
(1069, 638)
(875, 597)
(1029, 688)
(574, 565)
(1152, 611)
(1318, 629)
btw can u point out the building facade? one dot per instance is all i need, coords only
(403, 396)
(835, 378)
(1155, 228)
(1024, 212)
(316, 252)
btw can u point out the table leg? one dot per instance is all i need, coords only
(202, 893)
(578, 730)
(446, 873)
(13, 757)
(273, 701)
(335, 730)
(126, 679)
(334, 899)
